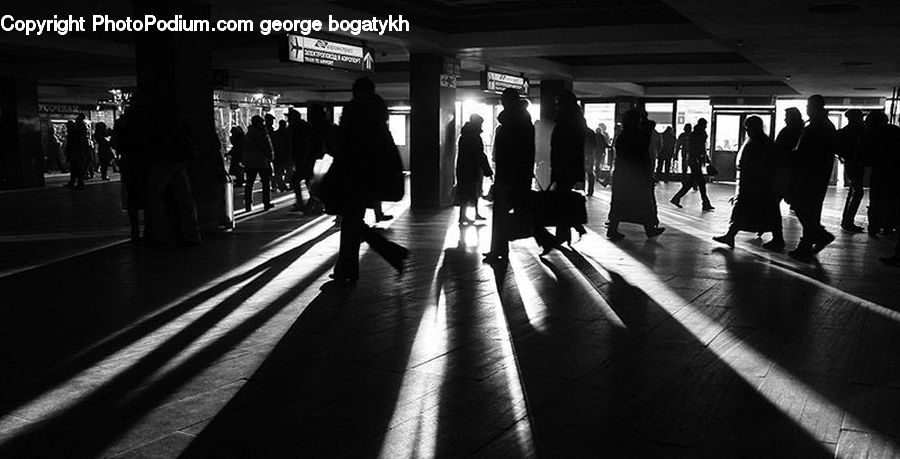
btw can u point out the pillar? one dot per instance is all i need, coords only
(21, 158)
(176, 70)
(432, 136)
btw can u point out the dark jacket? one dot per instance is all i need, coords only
(567, 147)
(471, 163)
(258, 149)
(514, 150)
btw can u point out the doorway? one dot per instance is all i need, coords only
(728, 135)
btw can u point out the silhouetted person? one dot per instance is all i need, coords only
(633, 200)
(697, 158)
(281, 145)
(593, 158)
(683, 147)
(785, 143)
(567, 153)
(131, 137)
(77, 152)
(811, 166)
(603, 148)
(666, 154)
(270, 124)
(171, 151)
(236, 155)
(848, 139)
(514, 150)
(364, 140)
(756, 206)
(258, 154)
(300, 156)
(880, 149)
(104, 149)
(471, 167)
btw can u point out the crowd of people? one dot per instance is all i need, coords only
(795, 167)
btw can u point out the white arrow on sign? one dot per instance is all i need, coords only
(368, 62)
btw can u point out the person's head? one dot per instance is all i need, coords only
(854, 116)
(815, 106)
(80, 118)
(270, 120)
(792, 116)
(100, 127)
(510, 99)
(754, 126)
(363, 87)
(688, 127)
(566, 99)
(632, 119)
(669, 130)
(701, 125)
(282, 124)
(257, 121)
(237, 131)
(602, 127)
(476, 119)
(876, 118)
(316, 113)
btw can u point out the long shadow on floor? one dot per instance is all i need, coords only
(46, 369)
(595, 388)
(823, 342)
(343, 375)
(93, 423)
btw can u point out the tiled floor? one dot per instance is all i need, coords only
(674, 347)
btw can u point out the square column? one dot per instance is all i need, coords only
(433, 132)
(21, 163)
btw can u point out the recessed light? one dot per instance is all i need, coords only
(835, 8)
(855, 63)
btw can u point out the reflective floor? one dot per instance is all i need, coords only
(673, 347)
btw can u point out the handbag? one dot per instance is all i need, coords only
(557, 207)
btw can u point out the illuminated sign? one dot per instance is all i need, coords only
(316, 51)
(496, 82)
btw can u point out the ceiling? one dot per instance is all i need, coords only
(645, 48)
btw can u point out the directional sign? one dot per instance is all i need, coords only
(316, 51)
(496, 82)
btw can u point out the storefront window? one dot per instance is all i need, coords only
(661, 112)
(397, 126)
(600, 113)
(689, 111)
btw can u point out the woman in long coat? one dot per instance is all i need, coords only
(567, 154)
(633, 200)
(471, 166)
(756, 206)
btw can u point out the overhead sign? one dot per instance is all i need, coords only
(497, 82)
(316, 51)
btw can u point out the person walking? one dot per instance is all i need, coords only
(131, 139)
(756, 206)
(281, 145)
(811, 166)
(104, 149)
(697, 158)
(880, 149)
(567, 154)
(848, 138)
(683, 147)
(633, 199)
(664, 162)
(514, 150)
(353, 181)
(471, 166)
(236, 155)
(258, 154)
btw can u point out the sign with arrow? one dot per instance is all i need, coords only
(327, 53)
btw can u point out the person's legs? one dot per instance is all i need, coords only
(265, 176)
(700, 180)
(499, 244)
(180, 189)
(685, 187)
(347, 266)
(851, 205)
(161, 174)
(248, 188)
(612, 231)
